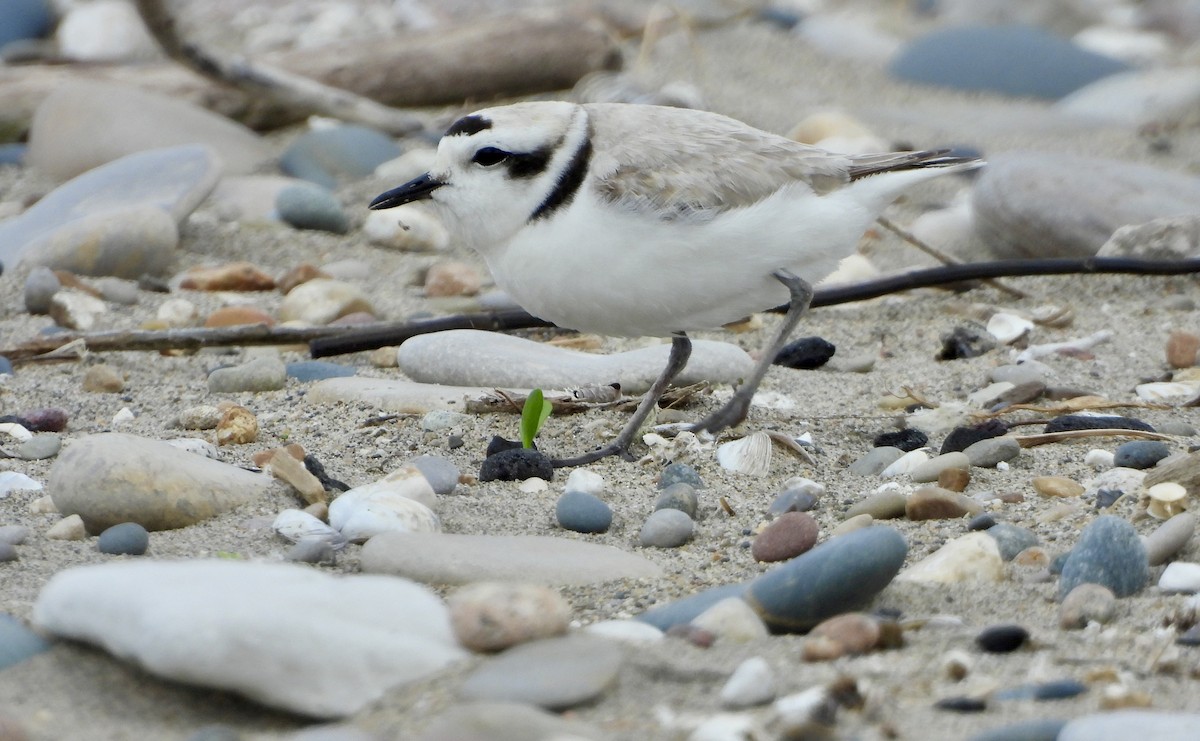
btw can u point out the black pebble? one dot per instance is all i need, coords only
(516, 464)
(964, 342)
(907, 439)
(981, 522)
(961, 438)
(805, 353)
(499, 444)
(1002, 639)
(317, 469)
(14, 419)
(962, 704)
(1070, 422)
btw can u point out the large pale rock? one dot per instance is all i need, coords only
(63, 141)
(287, 636)
(401, 397)
(112, 478)
(971, 557)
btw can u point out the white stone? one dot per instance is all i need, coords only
(1099, 459)
(68, 528)
(906, 463)
(11, 481)
(986, 396)
(752, 683)
(76, 310)
(178, 312)
(732, 619)
(728, 727)
(287, 636)
(630, 631)
(104, 31)
(971, 557)
(583, 480)
(297, 525)
(406, 481)
(321, 300)
(363, 514)
(409, 228)
(1180, 576)
(15, 431)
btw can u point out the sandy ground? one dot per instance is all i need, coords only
(767, 79)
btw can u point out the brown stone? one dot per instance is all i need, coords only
(851, 633)
(285, 467)
(1033, 557)
(452, 278)
(302, 273)
(234, 276)
(237, 427)
(233, 316)
(1181, 349)
(936, 503)
(103, 379)
(954, 479)
(1056, 486)
(791, 534)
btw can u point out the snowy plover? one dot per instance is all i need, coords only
(642, 220)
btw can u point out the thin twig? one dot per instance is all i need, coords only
(940, 256)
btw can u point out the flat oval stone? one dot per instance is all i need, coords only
(1169, 538)
(1011, 539)
(805, 353)
(993, 451)
(674, 473)
(111, 477)
(1140, 454)
(666, 528)
(258, 375)
(555, 673)
(791, 534)
(930, 470)
(1057, 486)
(323, 155)
(125, 539)
(323, 300)
(933, 503)
(467, 357)
(492, 616)
(1109, 553)
(681, 496)
(883, 505)
(583, 512)
(1085, 604)
(310, 206)
(842, 574)
(1002, 638)
(875, 461)
(971, 557)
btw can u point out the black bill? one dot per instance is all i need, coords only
(414, 190)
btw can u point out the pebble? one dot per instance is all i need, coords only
(440, 473)
(583, 512)
(62, 141)
(1113, 483)
(236, 316)
(177, 312)
(992, 451)
(731, 619)
(452, 278)
(954, 479)
(8, 554)
(1109, 553)
(307, 371)
(173, 180)
(848, 634)
(40, 286)
(971, 557)
(6, 366)
(468, 357)
(1085, 604)
(110, 478)
(931, 469)
(1099, 459)
(284, 635)
(1059, 689)
(934, 503)
(1011, 539)
(260, 374)
(1180, 576)
(681, 496)
(1177, 427)
(1002, 639)
(554, 673)
(961, 438)
(440, 558)
(789, 535)
(1056, 486)
(841, 574)
(13, 534)
(231, 276)
(806, 353)
(104, 31)
(666, 528)
(76, 310)
(1018, 374)
(325, 155)
(1182, 347)
(40, 447)
(875, 461)
(493, 616)
(751, 684)
(1169, 538)
(312, 550)
(118, 290)
(17, 642)
(886, 504)
(795, 499)
(1135, 97)
(1020, 197)
(314, 207)
(516, 464)
(1119, 725)
(1038, 729)
(408, 228)
(1140, 454)
(202, 417)
(383, 507)
(674, 473)
(908, 439)
(70, 527)
(322, 300)
(629, 631)
(1013, 60)
(906, 464)
(125, 539)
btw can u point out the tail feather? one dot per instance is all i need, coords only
(865, 165)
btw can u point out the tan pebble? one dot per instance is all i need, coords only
(1033, 557)
(319, 510)
(237, 427)
(1011, 497)
(821, 648)
(383, 357)
(935, 503)
(68, 528)
(1086, 603)
(857, 522)
(490, 616)
(752, 323)
(954, 479)
(68, 279)
(1118, 696)
(236, 316)
(1182, 348)
(302, 273)
(75, 310)
(285, 467)
(452, 278)
(322, 300)
(203, 417)
(103, 379)
(855, 632)
(177, 312)
(43, 506)
(731, 619)
(1059, 512)
(1057, 486)
(234, 276)
(956, 664)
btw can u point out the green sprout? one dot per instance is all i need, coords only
(536, 411)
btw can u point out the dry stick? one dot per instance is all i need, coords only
(940, 256)
(283, 87)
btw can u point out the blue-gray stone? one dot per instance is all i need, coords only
(583, 513)
(8, 552)
(311, 207)
(1140, 454)
(25, 19)
(125, 539)
(1122, 725)
(259, 374)
(982, 521)
(318, 370)
(680, 496)
(6, 366)
(992, 451)
(876, 459)
(441, 473)
(1013, 60)
(792, 500)
(175, 179)
(555, 673)
(1109, 553)
(1012, 539)
(12, 154)
(676, 472)
(840, 575)
(40, 447)
(323, 155)
(1038, 729)
(666, 528)
(17, 642)
(683, 611)
(1058, 689)
(1058, 562)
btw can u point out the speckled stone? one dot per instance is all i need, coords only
(791, 534)
(681, 496)
(666, 528)
(1140, 454)
(583, 512)
(1109, 553)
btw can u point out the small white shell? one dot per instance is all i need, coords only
(1008, 328)
(1167, 392)
(16, 431)
(297, 525)
(359, 516)
(750, 455)
(906, 463)
(1166, 500)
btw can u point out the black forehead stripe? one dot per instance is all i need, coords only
(569, 182)
(525, 165)
(468, 125)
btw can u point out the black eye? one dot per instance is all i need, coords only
(489, 156)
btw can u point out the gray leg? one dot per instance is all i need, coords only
(735, 409)
(681, 350)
